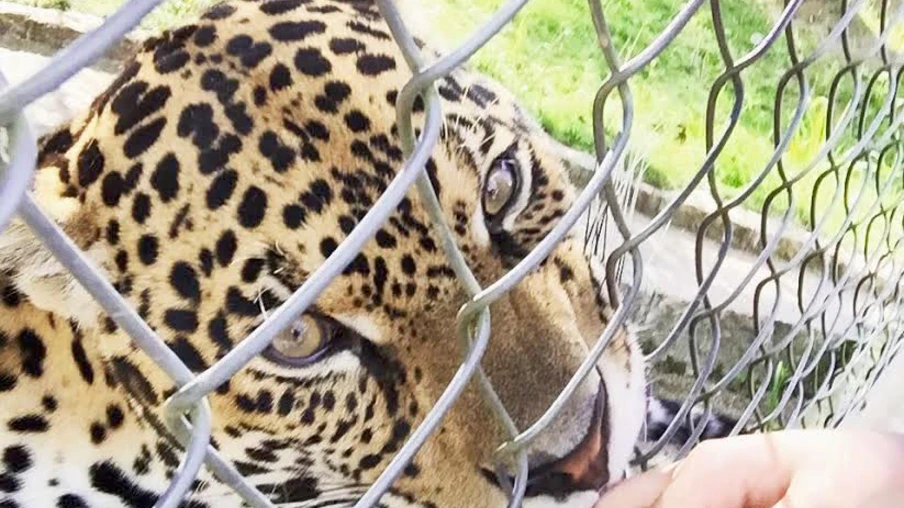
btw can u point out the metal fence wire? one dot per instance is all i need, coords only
(812, 370)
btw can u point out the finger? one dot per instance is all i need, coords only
(728, 473)
(844, 482)
(640, 491)
(841, 469)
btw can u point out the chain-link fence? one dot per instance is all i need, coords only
(843, 269)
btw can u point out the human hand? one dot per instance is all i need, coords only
(790, 469)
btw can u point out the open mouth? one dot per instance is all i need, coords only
(584, 468)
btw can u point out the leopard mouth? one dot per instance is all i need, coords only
(584, 468)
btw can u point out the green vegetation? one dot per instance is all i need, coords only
(549, 57)
(830, 366)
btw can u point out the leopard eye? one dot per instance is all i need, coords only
(302, 343)
(499, 189)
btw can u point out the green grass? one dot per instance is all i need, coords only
(548, 56)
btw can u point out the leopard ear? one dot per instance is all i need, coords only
(661, 413)
(33, 270)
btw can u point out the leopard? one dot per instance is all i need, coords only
(225, 164)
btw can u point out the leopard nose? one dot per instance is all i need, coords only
(585, 467)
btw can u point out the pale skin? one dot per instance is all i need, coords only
(790, 469)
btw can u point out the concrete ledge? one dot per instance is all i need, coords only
(690, 214)
(46, 31)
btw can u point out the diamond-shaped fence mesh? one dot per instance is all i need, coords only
(837, 276)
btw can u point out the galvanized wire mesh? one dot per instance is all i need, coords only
(814, 371)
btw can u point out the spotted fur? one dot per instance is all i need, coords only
(221, 168)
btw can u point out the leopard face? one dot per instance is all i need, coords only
(219, 171)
